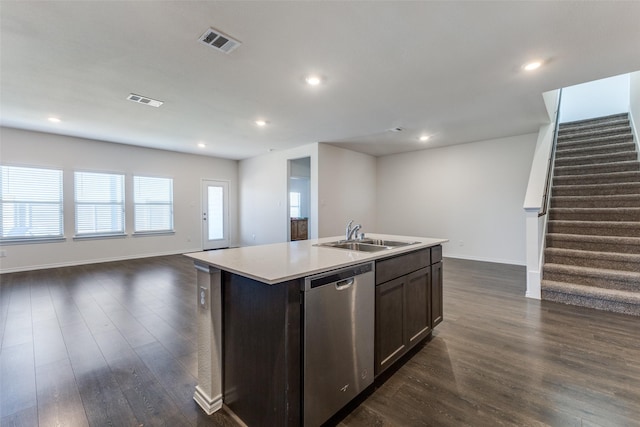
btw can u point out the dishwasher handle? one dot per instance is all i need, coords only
(345, 284)
(341, 279)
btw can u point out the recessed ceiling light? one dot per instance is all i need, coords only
(54, 120)
(202, 145)
(313, 80)
(534, 65)
(261, 122)
(424, 138)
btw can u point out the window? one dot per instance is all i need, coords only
(99, 201)
(153, 200)
(31, 203)
(294, 204)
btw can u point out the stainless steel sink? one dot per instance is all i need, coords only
(366, 245)
(381, 242)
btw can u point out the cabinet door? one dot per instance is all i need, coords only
(418, 305)
(390, 323)
(436, 294)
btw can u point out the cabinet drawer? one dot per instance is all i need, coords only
(390, 268)
(436, 254)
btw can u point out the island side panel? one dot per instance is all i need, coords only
(262, 350)
(208, 392)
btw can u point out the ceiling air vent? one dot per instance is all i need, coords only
(219, 41)
(144, 100)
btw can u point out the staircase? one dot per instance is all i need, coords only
(592, 255)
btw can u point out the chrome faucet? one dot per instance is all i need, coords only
(350, 232)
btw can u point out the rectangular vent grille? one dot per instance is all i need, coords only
(144, 100)
(219, 41)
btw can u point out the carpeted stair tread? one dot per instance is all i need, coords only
(598, 201)
(588, 296)
(589, 276)
(589, 242)
(594, 132)
(598, 178)
(593, 259)
(599, 228)
(596, 189)
(595, 214)
(608, 167)
(603, 120)
(592, 142)
(598, 149)
(597, 159)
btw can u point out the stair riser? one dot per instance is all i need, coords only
(595, 203)
(593, 246)
(592, 151)
(592, 133)
(568, 128)
(596, 281)
(593, 142)
(599, 215)
(596, 160)
(594, 230)
(595, 191)
(593, 262)
(599, 174)
(583, 301)
(602, 119)
(596, 169)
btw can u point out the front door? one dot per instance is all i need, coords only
(215, 214)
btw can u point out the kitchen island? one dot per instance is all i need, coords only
(251, 314)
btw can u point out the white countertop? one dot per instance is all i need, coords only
(280, 262)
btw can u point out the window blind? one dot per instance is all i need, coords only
(153, 200)
(31, 203)
(99, 201)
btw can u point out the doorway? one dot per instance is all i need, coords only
(299, 197)
(215, 214)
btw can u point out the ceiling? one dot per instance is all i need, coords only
(447, 69)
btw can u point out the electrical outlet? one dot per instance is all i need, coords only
(202, 297)
(3, 254)
(460, 243)
(253, 236)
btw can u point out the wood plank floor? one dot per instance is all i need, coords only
(115, 344)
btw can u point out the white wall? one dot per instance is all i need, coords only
(470, 194)
(634, 103)
(263, 196)
(595, 99)
(347, 190)
(24, 148)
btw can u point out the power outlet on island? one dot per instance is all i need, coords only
(202, 297)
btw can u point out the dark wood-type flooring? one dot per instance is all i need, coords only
(115, 344)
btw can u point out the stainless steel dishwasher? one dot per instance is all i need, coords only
(338, 339)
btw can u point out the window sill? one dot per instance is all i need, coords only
(31, 240)
(99, 236)
(153, 233)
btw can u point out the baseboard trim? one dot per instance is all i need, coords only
(209, 405)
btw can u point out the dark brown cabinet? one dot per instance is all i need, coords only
(436, 286)
(436, 294)
(406, 303)
(299, 229)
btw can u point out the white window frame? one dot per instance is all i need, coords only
(298, 206)
(10, 204)
(86, 200)
(150, 204)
